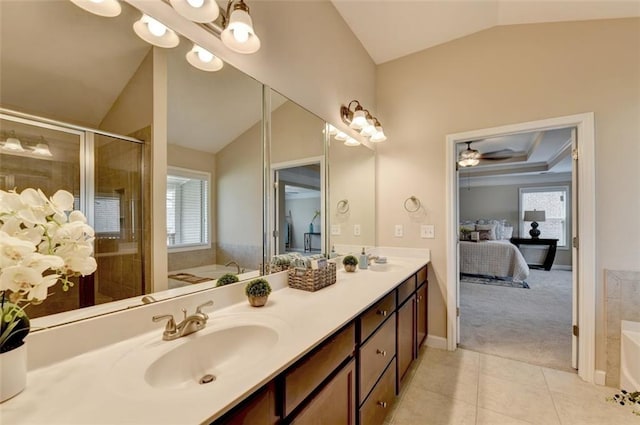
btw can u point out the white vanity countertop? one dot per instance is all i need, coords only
(90, 388)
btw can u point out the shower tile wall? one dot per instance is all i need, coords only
(622, 303)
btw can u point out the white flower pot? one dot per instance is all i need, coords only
(13, 372)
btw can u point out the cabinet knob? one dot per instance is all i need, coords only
(381, 352)
(382, 313)
(382, 404)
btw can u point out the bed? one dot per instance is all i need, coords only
(497, 258)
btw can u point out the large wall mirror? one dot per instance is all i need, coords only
(87, 86)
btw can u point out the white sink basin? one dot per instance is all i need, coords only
(229, 347)
(381, 267)
(210, 355)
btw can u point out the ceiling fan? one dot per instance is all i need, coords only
(471, 157)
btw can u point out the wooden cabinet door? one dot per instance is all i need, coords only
(406, 337)
(421, 315)
(335, 404)
(378, 405)
(258, 409)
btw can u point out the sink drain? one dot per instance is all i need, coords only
(207, 379)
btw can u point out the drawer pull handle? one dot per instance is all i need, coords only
(381, 352)
(382, 313)
(382, 404)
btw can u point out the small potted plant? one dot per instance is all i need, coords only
(258, 291)
(227, 279)
(350, 262)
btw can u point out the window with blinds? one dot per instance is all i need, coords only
(555, 203)
(187, 209)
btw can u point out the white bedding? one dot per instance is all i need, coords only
(493, 258)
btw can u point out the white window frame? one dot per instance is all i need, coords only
(567, 213)
(200, 175)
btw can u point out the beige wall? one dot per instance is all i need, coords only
(133, 109)
(502, 203)
(191, 159)
(295, 134)
(507, 75)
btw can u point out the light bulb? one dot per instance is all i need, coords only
(155, 27)
(205, 55)
(241, 34)
(195, 3)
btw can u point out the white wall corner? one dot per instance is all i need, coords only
(436, 342)
(599, 377)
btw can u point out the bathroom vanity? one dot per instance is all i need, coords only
(337, 355)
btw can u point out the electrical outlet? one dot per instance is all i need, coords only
(399, 231)
(356, 230)
(335, 229)
(427, 231)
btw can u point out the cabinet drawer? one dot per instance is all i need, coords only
(376, 354)
(406, 288)
(373, 317)
(378, 405)
(304, 377)
(422, 275)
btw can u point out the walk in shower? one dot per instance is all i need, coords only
(104, 172)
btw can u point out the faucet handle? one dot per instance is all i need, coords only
(171, 323)
(199, 308)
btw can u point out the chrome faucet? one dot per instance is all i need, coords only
(189, 324)
(233, 263)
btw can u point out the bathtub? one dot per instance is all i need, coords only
(630, 356)
(207, 273)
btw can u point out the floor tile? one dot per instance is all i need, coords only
(569, 383)
(489, 417)
(518, 400)
(421, 407)
(511, 370)
(463, 359)
(457, 383)
(577, 410)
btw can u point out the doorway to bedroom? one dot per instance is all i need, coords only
(515, 256)
(512, 233)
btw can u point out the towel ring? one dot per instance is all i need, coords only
(415, 201)
(343, 206)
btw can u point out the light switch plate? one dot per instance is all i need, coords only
(335, 229)
(356, 230)
(427, 231)
(399, 231)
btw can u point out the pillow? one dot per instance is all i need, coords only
(465, 230)
(507, 232)
(487, 231)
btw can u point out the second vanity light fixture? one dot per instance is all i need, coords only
(237, 27)
(360, 119)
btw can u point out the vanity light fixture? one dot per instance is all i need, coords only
(154, 32)
(201, 11)
(203, 59)
(360, 119)
(42, 148)
(106, 8)
(469, 157)
(238, 33)
(12, 143)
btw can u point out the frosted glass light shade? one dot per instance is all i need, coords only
(12, 144)
(341, 136)
(359, 119)
(154, 32)
(42, 149)
(379, 135)
(351, 142)
(106, 8)
(239, 35)
(204, 59)
(202, 11)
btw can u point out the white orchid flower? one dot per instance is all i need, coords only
(9, 202)
(27, 282)
(13, 250)
(42, 263)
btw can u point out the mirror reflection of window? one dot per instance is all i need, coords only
(187, 208)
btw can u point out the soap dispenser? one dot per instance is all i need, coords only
(333, 253)
(364, 260)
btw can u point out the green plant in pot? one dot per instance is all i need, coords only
(258, 291)
(227, 279)
(350, 263)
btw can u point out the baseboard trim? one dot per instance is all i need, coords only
(436, 342)
(561, 267)
(599, 377)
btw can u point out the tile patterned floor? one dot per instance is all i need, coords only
(466, 387)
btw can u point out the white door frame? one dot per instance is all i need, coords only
(272, 203)
(585, 126)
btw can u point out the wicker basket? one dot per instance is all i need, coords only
(275, 268)
(312, 280)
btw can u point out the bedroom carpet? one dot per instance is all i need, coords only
(532, 326)
(481, 280)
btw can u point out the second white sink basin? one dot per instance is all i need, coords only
(207, 356)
